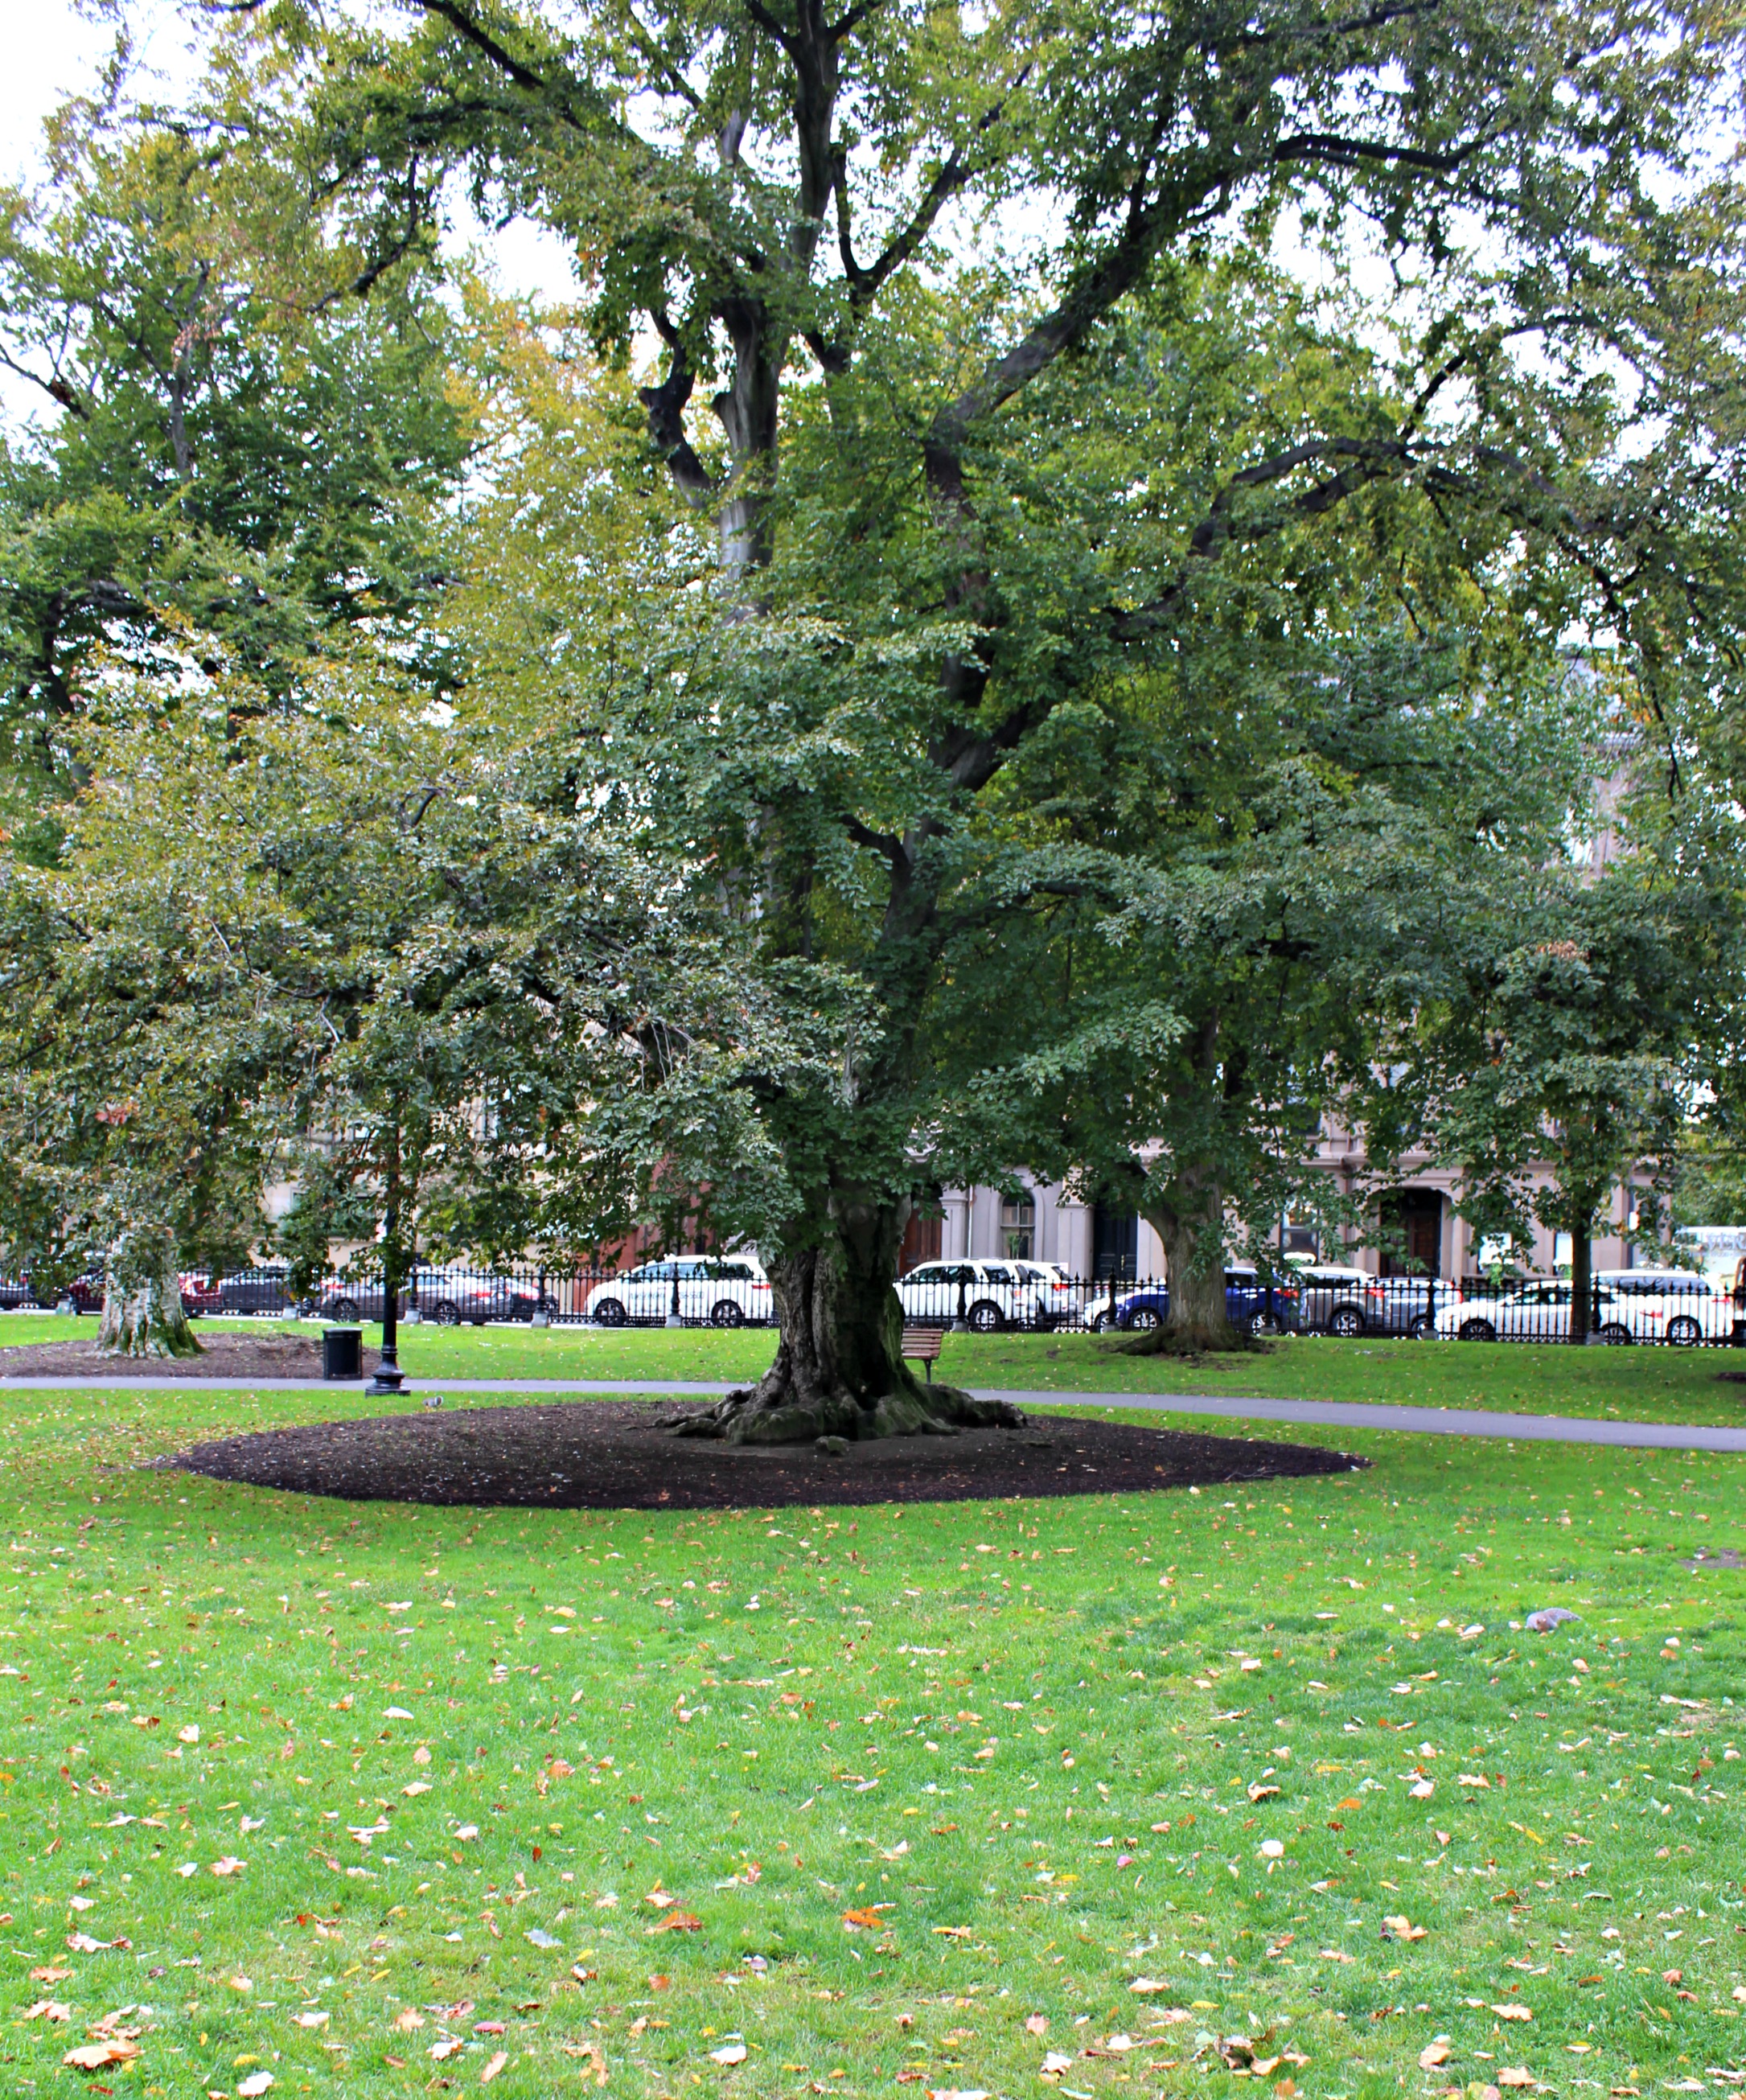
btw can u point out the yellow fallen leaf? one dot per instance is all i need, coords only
(1515, 2074)
(1512, 2012)
(1403, 1928)
(951, 1932)
(1438, 2052)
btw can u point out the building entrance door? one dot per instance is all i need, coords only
(1115, 1244)
(1412, 1221)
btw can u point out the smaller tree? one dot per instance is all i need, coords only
(1565, 1061)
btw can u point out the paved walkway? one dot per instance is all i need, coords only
(1333, 1414)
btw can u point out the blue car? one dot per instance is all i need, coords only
(1262, 1309)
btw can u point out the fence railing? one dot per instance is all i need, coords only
(982, 1296)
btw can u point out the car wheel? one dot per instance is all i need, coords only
(343, 1308)
(1615, 1335)
(986, 1317)
(1478, 1331)
(1684, 1333)
(1144, 1319)
(1264, 1323)
(609, 1313)
(726, 1314)
(1423, 1329)
(1100, 1325)
(446, 1315)
(1346, 1320)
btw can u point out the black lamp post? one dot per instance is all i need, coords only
(961, 1324)
(674, 1318)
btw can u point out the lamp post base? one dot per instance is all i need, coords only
(390, 1380)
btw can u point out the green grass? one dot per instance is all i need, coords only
(1025, 1728)
(1644, 1385)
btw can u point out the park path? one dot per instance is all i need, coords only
(1334, 1415)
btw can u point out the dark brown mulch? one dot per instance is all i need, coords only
(222, 1355)
(609, 1454)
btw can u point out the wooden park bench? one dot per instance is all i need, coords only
(921, 1345)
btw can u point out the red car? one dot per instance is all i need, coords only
(200, 1294)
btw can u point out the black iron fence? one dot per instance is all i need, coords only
(985, 1297)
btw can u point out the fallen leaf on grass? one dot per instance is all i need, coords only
(320, 2019)
(1473, 1779)
(956, 2092)
(255, 2084)
(1147, 1987)
(442, 2051)
(1403, 1928)
(660, 1899)
(1512, 2012)
(95, 2055)
(1430, 2058)
(866, 1920)
(191, 1734)
(729, 2053)
(1055, 2063)
(1335, 1954)
(47, 2009)
(539, 1938)
(676, 1921)
(408, 2022)
(228, 1866)
(1037, 2023)
(952, 1931)
(1515, 2074)
(82, 1943)
(50, 1974)
(499, 2058)
(1259, 1792)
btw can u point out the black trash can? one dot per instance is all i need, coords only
(342, 1352)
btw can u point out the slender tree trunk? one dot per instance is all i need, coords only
(839, 1369)
(141, 1297)
(1581, 1284)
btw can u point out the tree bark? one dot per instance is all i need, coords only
(1581, 1284)
(839, 1369)
(1188, 1214)
(141, 1297)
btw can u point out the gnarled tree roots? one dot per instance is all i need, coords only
(775, 1412)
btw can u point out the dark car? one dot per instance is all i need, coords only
(1341, 1300)
(256, 1291)
(86, 1293)
(1262, 1308)
(200, 1294)
(16, 1293)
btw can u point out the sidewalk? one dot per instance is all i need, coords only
(1332, 1415)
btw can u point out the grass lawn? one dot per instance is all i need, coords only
(596, 1794)
(1653, 1384)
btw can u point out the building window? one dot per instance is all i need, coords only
(1018, 1227)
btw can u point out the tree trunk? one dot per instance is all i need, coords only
(1188, 1217)
(839, 1369)
(141, 1297)
(1581, 1286)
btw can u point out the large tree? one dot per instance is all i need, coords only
(945, 281)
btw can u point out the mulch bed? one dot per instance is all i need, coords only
(610, 1454)
(222, 1355)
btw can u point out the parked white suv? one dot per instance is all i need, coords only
(995, 1294)
(725, 1291)
(1675, 1305)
